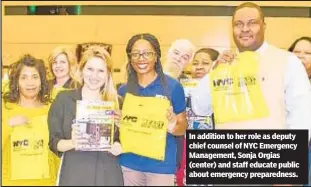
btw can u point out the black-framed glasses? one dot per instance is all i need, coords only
(148, 55)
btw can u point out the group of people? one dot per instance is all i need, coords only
(38, 114)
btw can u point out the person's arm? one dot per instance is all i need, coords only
(297, 95)
(65, 145)
(10, 119)
(225, 57)
(57, 142)
(117, 118)
(181, 125)
(177, 124)
(179, 107)
(116, 147)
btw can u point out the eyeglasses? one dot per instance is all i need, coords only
(148, 55)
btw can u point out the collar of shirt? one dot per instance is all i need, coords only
(261, 49)
(155, 82)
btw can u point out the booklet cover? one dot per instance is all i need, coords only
(95, 124)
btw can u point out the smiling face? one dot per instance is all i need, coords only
(143, 57)
(29, 82)
(248, 29)
(95, 73)
(60, 66)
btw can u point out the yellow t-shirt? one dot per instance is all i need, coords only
(27, 159)
(55, 91)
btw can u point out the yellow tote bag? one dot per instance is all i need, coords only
(29, 150)
(235, 90)
(143, 126)
(189, 85)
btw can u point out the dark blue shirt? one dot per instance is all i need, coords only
(144, 164)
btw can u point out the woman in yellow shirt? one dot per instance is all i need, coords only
(62, 64)
(27, 159)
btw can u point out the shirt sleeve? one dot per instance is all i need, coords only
(201, 102)
(55, 123)
(121, 90)
(297, 95)
(178, 99)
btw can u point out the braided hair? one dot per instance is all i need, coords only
(132, 82)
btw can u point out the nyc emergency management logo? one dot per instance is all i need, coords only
(129, 120)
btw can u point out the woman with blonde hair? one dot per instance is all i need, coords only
(89, 168)
(62, 64)
(27, 160)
